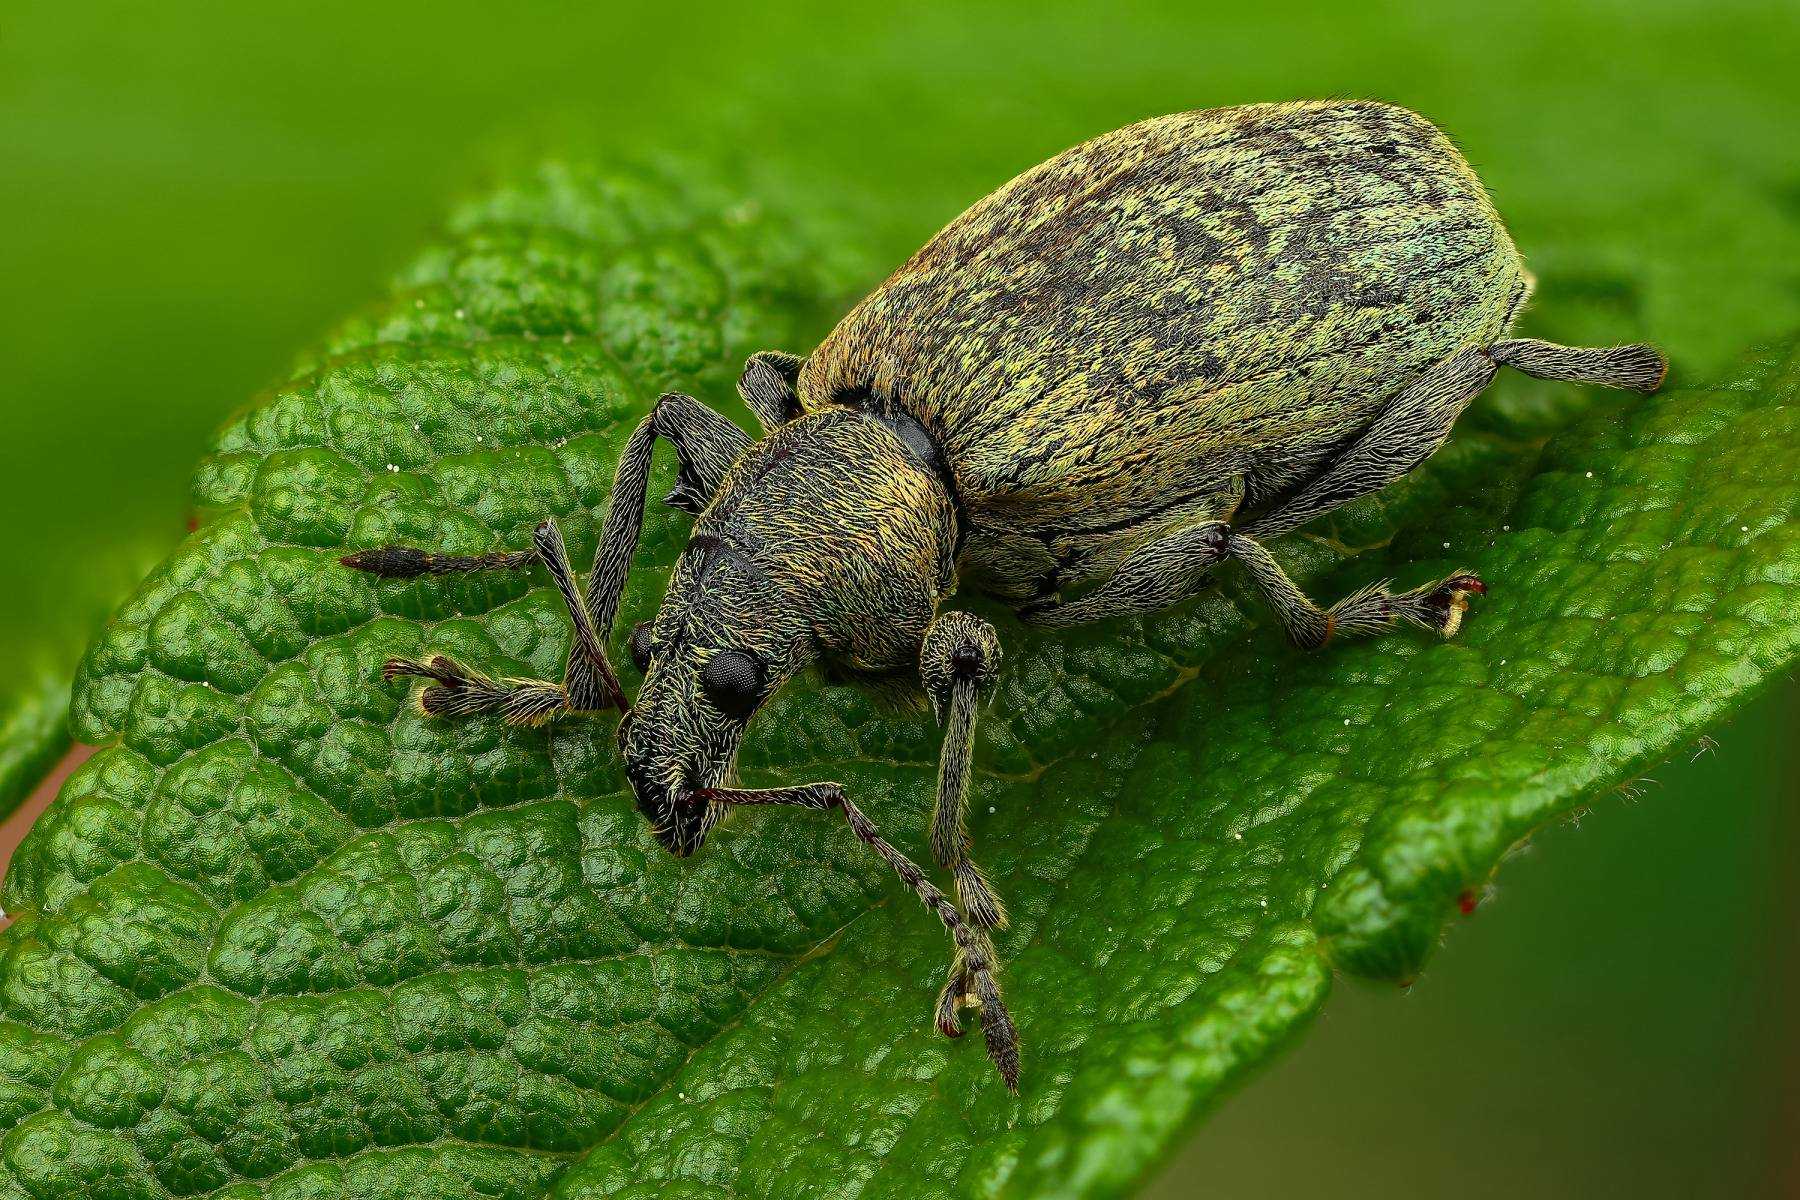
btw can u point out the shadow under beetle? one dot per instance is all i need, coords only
(1143, 357)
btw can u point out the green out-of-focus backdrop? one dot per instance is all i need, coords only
(191, 192)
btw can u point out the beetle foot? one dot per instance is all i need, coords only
(1440, 606)
(457, 691)
(971, 985)
(958, 993)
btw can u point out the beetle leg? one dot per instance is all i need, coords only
(1411, 429)
(767, 386)
(589, 684)
(959, 663)
(457, 691)
(1635, 368)
(1405, 434)
(1155, 576)
(1438, 606)
(974, 951)
(706, 444)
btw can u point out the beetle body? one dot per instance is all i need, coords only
(1155, 323)
(1130, 364)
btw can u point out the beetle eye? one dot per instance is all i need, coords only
(733, 681)
(638, 645)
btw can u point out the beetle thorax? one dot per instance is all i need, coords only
(831, 539)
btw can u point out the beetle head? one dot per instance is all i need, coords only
(828, 539)
(721, 645)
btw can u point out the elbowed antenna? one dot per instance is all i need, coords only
(974, 948)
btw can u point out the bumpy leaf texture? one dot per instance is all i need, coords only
(283, 937)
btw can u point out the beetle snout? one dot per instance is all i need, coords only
(681, 818)
(668, 774)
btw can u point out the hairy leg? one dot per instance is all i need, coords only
(1405, 434)
(1419, 420)
(1635, 368)
(959, 664)
(706, 444)
(973, 948)
(1154, 577)
(1366, 612)
(768, 384)
(588, 681)
(1172, 569)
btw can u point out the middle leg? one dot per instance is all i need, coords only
(1366, 612)
(1171, 569)
(1407, 432)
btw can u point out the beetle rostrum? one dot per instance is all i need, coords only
(1147, 356)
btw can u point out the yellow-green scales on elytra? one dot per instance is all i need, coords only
(1126, 337)
(1129, 364)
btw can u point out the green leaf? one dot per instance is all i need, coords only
(34, 698)
(283, 937)
(34, 731)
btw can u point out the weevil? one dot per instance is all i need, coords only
(1144, 357)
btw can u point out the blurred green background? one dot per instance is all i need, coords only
(190, 193)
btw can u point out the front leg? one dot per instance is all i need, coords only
(706, 445)
(959, 664)
(973, 949)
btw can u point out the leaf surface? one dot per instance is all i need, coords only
(283, 937)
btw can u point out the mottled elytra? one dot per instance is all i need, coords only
(1144, 357)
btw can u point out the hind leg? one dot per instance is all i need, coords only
(1411, 429)
(1408, 432)
(1634, 368)
(1405, 434)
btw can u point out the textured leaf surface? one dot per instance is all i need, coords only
(285, 938)
(33, 732)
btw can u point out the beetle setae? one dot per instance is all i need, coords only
(1147, 355)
